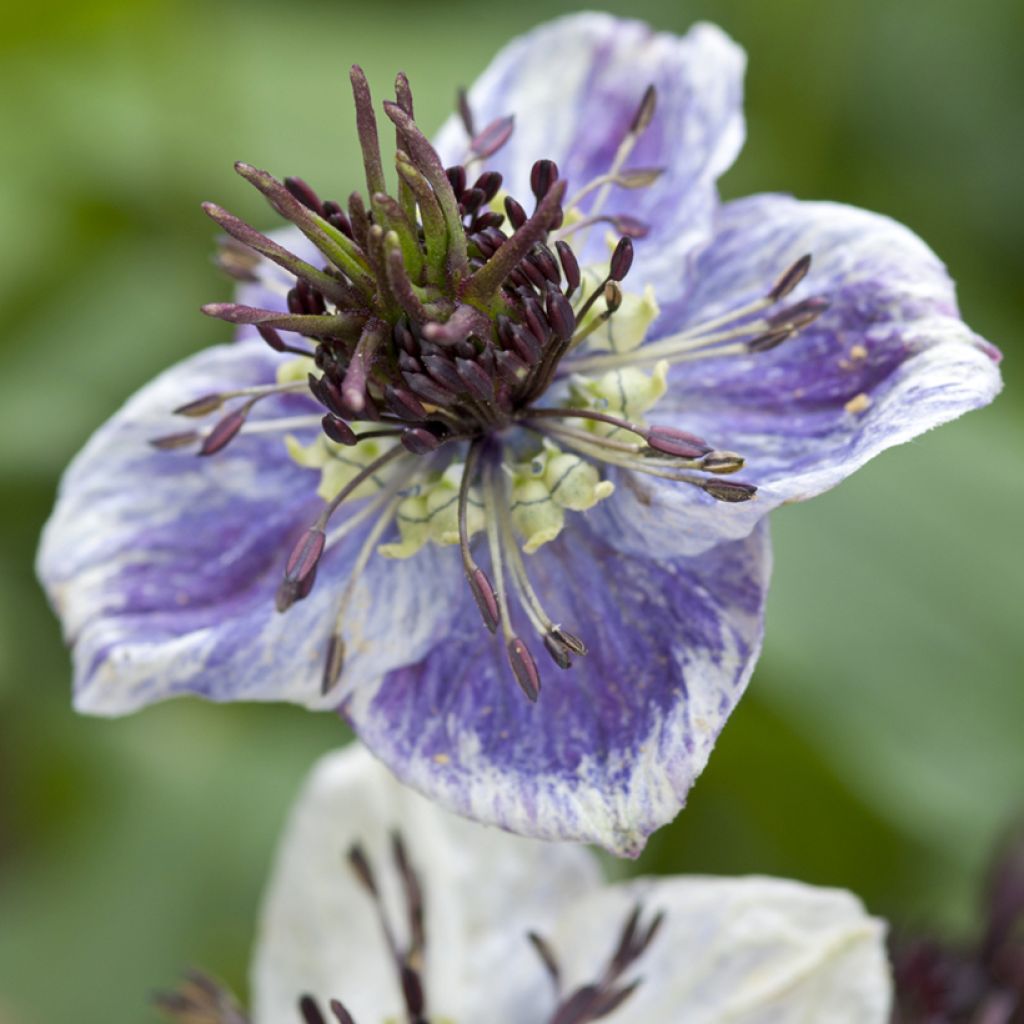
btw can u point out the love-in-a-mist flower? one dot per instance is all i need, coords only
(514, 414)
(438, 919)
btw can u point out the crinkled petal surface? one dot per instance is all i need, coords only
(889, 360)
(611, 748)
(742, 950)
(163, 566)
(483, 891)
(574, 85)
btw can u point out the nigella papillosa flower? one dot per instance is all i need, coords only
(381, 907)
(518, 412)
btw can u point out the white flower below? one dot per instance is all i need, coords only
(742, 950)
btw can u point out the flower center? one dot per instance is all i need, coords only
(438, 324)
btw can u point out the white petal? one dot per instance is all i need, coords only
(483, 889)
(737, 950)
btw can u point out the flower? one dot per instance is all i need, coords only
(482, 926)
(942, 983)
(429, 421)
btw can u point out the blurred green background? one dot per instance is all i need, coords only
(880, 746)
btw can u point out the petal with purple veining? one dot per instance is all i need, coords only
(609, 751)
(574, 86)
(163, 566)
(890, 359)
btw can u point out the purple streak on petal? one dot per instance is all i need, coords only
(612, 746)
(163, 567)
(578, 116)
(887, 361)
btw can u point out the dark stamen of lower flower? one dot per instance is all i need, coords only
(407, 959)
(340, 1013)
(547, 958)
(310, 1011)
(200, 999)
(602, 997)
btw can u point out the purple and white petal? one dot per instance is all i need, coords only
(610, 750)
(163, 566)
(888, 361)
(483, 891)
(574, 86)
(745, 950)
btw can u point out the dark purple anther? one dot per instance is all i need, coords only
(644, 112)
(510, 366)
(305, 556)
(630, 227)
(272, 338)
(338, 430)
(224, 431)
(334, 662)
(802, 314)
(559, 313)
(533, 274)
(428, 389)
(675, 442)
(573, 642)
(475, 378)
(420, 441)
(790, 278)
(489, 183)
(465, 112)
(305, 194)
(524, 668)
(526, 344)
(560, 654)
(442, 370)
(722, 462)
(171, 441)
(570, 266)
(770, 339)
(622, 260)
(405, 338)
(729, 490)
(483, 594)
(310, 1011)
(543, 175)
(327, 394)
(517, 216)
(490, 219)
(200, 406)
(535, 319)
(471, 201)
(335, 216)
(404, 403)
(412, 992)
(457, 179)
(493, 137)
(340, 1013)
(544, 260)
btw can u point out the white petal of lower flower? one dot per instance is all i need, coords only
(737, 950)
(483, 889)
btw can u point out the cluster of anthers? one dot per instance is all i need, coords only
(472, 375)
